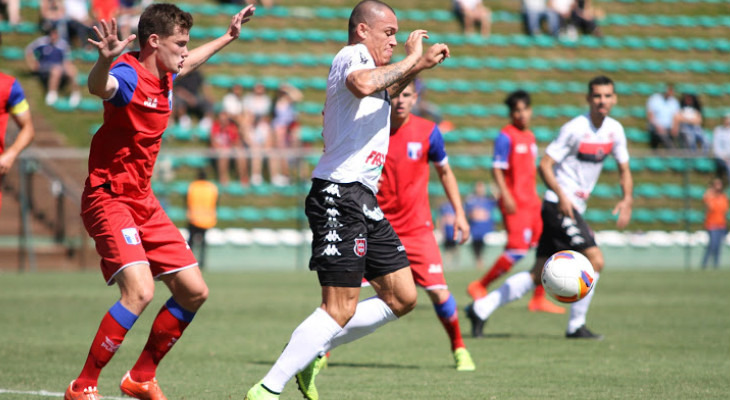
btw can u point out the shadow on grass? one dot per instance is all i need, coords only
(352, 365)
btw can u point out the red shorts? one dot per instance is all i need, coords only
(129, 231)
(425, 257)
(523, 228)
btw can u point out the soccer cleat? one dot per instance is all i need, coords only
(89, 393)
(541, 304)
(583, 333)
(259, 392)
(477, 324)
(476, 291)
(463, 360)
(305, 378)
(149, 390)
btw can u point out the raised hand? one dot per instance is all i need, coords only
(435, 54)
(239, 19)
(414, 43)
(109, 45)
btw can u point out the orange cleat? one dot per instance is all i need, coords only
(476, 290)
(89, 393)
(541, 304)
(141, 390)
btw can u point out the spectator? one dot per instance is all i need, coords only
(716, 202)
(536, 11)
(687, 125)
(78, 23)
(225, 140)
(48, 57)
(10, 10)
(286, 130)
(584, 18)
(564, 10)
(202, 199)
(257, 131)
(105, 9)
(192, 97)
(660, 111)
(721, 147)
(479, 208)
(129, 13)
(471, 13)
(232, 103)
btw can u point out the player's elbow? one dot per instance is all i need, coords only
(359, 86)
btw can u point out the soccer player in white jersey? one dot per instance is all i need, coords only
(351, 237)
(570, 168)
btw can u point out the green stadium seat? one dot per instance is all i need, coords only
(603, 191)
(235, 189)
(226, 214)
(668, 216)
(672, 191)
(643, 215)
(677, 164)
(703, 165)
(648, 190)
(177, 214)
(655, 164)
(696, 192)
(610, 165)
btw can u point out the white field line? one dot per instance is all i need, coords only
(45, 393)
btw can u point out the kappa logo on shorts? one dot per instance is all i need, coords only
(331, 250)
(332, 212)
(332, 236)
(332, 189)
(361, 247)
(329, 201)
(435, 269)
(332, 222)
(131, 236)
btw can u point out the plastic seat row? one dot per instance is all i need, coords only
(233, 189)
(245, 214)
(467, 62)
(651, 191)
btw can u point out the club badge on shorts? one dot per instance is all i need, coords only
(361, 246)
(131, 236)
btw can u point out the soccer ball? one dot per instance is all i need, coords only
(568, 276)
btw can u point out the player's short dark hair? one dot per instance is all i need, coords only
(516, 97)
(599, 81)
(361, 14)
(162, 19)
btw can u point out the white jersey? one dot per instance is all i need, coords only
(579, 152)
(356, 131)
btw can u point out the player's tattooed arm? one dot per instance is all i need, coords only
(365, 82)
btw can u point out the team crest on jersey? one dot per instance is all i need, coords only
(131, 236)
(361, 247)
(415, 150)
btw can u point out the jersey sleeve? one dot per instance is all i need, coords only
(126, 78)
(17, 104)
(356, 59)
(502, 149)
(436, 149)
(620, 149)
(559, 148)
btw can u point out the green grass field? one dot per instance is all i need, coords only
(667, 337)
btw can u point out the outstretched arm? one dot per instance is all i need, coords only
(109, 47)
(25, 136)
(201, 54)
(451, 187)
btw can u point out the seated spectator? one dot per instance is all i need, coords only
(564, 10)
(479, 208)
(257, 131)
(721, 148)
(584, 18)
(447, 217)
(129, 13)
(191, 96)
(286, 130)
(10, 10)
(660, 111)
(232, 103)
(48, 57)
(225, 140)
(536, 11)
(687, 126)
(471, 13)
(78, 22)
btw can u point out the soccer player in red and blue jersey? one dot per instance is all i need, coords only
(136, 240)
(514, 170)
(13, 103)
(403, 197)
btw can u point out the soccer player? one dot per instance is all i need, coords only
(570, 168)
(13, 103)
(136, 240)
(351, 237)
(514, 171)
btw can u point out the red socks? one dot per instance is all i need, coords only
(499, 268)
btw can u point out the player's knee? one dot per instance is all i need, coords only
(597, 262)
(139, 297)
(403, 303)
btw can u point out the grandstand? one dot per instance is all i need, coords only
(646, 44)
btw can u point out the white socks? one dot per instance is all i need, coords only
(512, 289)
(579, 309)
(307, 340)
(370, 315)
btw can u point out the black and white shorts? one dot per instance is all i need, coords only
(352, 238)
(562, 233)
